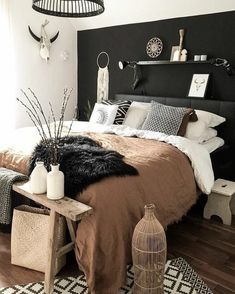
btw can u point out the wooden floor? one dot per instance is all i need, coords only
(208, 246)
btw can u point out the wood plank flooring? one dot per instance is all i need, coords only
(208, 246)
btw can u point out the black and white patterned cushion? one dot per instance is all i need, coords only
(165, 119)
(103, 114)
(123, 107)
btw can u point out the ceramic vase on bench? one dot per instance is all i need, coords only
(55, 183)
(52, 183)
(38, 179)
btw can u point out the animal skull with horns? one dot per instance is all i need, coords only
(44, 40)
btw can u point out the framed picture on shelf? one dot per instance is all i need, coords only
(173, 50)
(198, 85)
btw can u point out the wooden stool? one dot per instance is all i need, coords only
(72, 210)
(221, 201)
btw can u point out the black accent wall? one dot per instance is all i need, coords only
(212, 34)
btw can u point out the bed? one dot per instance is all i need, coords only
(166, 178)
(223, 159)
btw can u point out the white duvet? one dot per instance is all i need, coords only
(198, 155)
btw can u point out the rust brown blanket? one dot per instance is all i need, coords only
(103, 247)
(104, 239)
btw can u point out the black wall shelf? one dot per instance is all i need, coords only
(218, 62)
(161, 62)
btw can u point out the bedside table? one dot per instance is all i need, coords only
(221, 201)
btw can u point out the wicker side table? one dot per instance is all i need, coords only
(221, 201)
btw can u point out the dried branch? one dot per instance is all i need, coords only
(71, 124)
(32, 115)
(38, 129)
(41, 111)
(36, 114)
(54, 119)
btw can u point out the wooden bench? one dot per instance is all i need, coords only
(72, 210)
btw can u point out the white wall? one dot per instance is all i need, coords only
(118, 12)
(47, 80)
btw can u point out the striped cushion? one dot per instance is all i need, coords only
(123, 107)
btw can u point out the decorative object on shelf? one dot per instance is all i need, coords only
(173, 50)
(55, 183)
(69, 8)
(176, 53)
(38, 179)
(102, 78)
(184, 55)
(224, 64)
(137, 74)
(44, 40)
(197, 58)
(154, 47)
(48, 129)
(203, 57)
(198, 85)
(149, 253)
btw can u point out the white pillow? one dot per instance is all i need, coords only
(213, 144)
(212, 120)
(199, 132)
(103, 114)
(137, 114)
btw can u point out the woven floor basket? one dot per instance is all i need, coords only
(29, 238)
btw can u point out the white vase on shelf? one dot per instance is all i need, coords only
(38, 179)
(55, 183)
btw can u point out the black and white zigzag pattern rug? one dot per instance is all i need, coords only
(180, 278)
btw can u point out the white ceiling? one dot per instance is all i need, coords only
(119, 12)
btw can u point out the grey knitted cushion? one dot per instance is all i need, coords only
(165, 119)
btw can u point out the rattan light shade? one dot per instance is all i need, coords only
(69, 8)
(149, 254)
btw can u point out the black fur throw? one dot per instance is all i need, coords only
(83, 162)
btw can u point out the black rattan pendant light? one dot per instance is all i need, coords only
(69, 8)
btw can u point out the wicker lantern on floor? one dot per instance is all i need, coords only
(149, 254)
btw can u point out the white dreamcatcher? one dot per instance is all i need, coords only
(102, 79)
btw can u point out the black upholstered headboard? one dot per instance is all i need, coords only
(222, 108)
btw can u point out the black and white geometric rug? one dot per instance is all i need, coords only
(180, 278)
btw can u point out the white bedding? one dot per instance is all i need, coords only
(198, 155)
(213, 144)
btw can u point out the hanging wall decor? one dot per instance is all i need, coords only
(69, 8)
(154, 47)
(102, 78)
(44, 41)
(177, 52)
